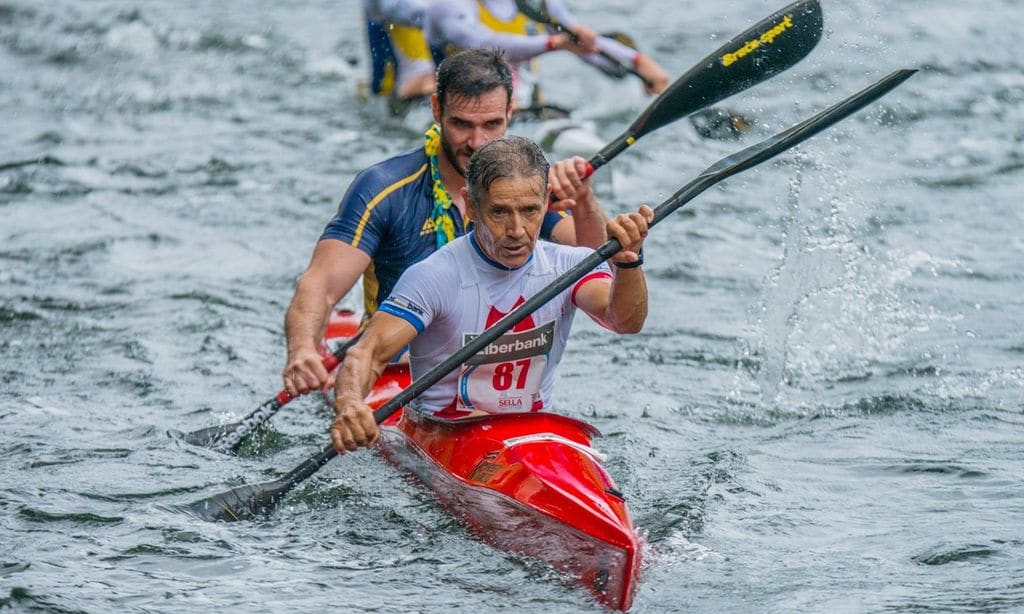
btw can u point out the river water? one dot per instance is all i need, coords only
(824, 412)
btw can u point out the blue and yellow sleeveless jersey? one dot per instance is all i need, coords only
(386, 213)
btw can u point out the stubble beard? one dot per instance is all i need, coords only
(449, 152)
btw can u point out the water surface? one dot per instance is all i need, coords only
(824, 412)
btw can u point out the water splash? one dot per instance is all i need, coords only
(833, 309)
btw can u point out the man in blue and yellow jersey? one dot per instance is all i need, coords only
(401, 210)
(464, 24)
(402, 64)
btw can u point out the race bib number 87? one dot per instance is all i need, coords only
(506, 376)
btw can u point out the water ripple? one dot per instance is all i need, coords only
(943, 555)
(87, 518)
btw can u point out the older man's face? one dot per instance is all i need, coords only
(508, 219)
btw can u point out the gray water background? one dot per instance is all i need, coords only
(824, 413)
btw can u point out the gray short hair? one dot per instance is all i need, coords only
(504, 158)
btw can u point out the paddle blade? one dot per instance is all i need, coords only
(209, 436)
(227, 437)
(242, 503)
(761, 52)
(248, 502)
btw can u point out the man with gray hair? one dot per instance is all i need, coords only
(465, 287)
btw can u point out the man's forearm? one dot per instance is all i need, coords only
(358, 373)
(306, 317)
(627, 304)
(590, 224)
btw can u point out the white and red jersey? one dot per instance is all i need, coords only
(457, 293)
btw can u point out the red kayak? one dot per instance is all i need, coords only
(526, 483)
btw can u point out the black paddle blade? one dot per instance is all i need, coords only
(209, 436)
(242, 503)
(761, 52)
(252, 501)
(719, 123)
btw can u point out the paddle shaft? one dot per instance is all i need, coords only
(721, 170)
(540, 14)
(227, 438)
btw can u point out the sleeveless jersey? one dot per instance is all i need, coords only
(459, 292)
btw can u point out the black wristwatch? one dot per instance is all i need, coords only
(632, 265)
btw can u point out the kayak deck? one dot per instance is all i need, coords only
(525, 483)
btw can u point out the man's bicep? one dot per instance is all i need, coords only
(592, 295)
(336, 266)
(559, 227)
(417, 297)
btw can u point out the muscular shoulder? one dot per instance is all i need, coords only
(391, 174)
(375, 198)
